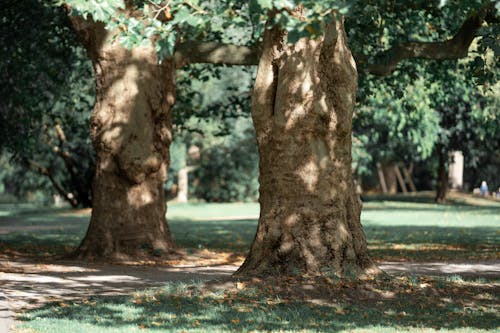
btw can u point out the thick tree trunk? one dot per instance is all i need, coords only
(131, 133)
(302, 107)
(442, 181)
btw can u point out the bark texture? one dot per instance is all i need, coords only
(302, 108)
(131, 132)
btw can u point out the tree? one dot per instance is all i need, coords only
(131, 131)
(469, 119)
(302, 107)
(397, 116)
(131, 124)
(302, 111)
(43, 123)
(131, 47)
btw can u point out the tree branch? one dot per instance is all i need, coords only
(457, 47)
(46, 172)
(192, 52)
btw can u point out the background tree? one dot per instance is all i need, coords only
(47, 91)
(469, 120)
(400, 134)
(397, 116)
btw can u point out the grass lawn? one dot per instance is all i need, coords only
(395, 229)
(405, 304)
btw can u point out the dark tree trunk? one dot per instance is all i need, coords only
(442, 181)
(302, 108)
(131, 133)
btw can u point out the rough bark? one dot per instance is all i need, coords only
(131, 133)
(302, 107)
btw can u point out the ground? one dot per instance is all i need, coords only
(443, 262)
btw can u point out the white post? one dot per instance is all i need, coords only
(456, 170)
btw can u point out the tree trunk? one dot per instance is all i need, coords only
(302, 107)
(442, 182)
(131, 132)
(183, 183)
(391, 180)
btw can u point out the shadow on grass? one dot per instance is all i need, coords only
(385, 242)
(231, 235)
(429, 198)
(41, 234)
(405, 304)
(58, 236)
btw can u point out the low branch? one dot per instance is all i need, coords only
(385, 63)
(457, 47)
(46, 172)
(192, 52)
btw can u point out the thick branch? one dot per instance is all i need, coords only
(46, 172)
(382, 64)
(192, 52)
(454, 48)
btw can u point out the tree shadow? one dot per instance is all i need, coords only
(56, 234)
(396, 305)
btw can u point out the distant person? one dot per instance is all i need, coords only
(483, 188)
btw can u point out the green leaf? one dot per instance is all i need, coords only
(265, 4)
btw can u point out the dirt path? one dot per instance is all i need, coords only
(6, 316)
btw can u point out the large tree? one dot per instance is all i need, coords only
(302, 106)
(131, 46)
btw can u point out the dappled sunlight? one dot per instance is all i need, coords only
(309, 173)
(139, 196)
(402, 304)
(217, 238)
(29, 285)
(395, 231)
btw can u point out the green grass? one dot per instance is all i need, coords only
(414, 306)
(394, 229)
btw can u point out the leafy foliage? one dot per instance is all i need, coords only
(47, 107)
(399, 120)
(229, 171)
(34, 67)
